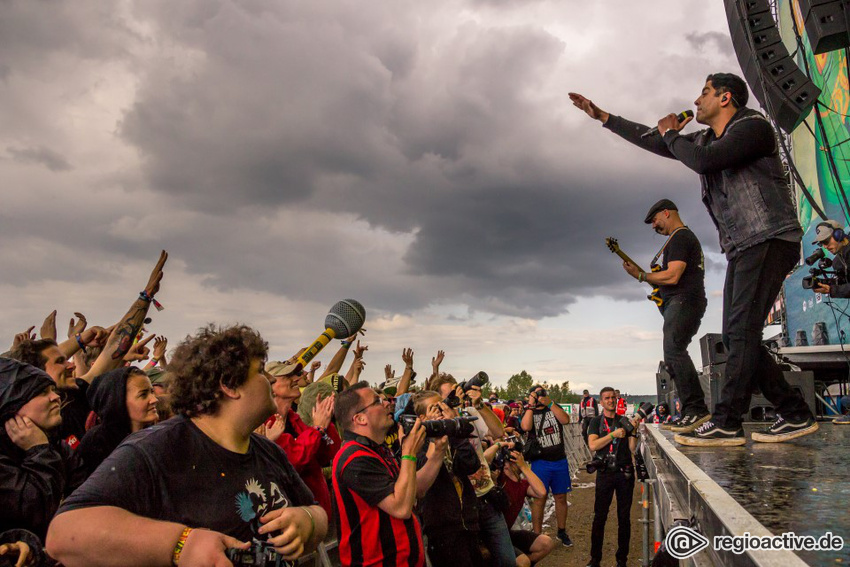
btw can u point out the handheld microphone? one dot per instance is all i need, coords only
(345, 318)
(682, 116)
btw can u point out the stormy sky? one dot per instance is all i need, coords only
(422, 158)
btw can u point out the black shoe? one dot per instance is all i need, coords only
(565, 539)
(710, 435)
(690, 422)
(593, 564)
(783, 430)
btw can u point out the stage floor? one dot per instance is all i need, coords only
(802, 486)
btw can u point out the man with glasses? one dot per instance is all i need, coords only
(374, 491)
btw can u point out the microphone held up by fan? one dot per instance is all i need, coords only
(345, 318)
(682, 116)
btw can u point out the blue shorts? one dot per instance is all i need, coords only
(554, 474)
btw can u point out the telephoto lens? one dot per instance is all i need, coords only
(459, 427)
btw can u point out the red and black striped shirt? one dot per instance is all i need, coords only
(364, 473)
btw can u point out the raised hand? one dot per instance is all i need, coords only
(76, 328)
(48, 328)
(156, 275)
(315, 366)
(407, 357)
(389, 373)
(323, 411)
(359, 350)
(139, 352)
(159, 346)
(27, 335)
(586, 105)
(437, 360)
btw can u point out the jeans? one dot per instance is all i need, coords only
(608, 483)
(682, 316)
(753, 280)
(495, 535)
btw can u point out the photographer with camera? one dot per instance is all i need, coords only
(543, 419)
(199, 488)
(375, 492)
(614, 446)
(494, 530)
(449, 508)
(830, 235)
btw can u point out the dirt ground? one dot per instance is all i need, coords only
(579, 519)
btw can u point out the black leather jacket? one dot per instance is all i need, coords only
(743, 184)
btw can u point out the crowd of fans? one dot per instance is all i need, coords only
(113, 454)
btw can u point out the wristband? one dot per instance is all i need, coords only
(611, 435)
(550, 405)
(178, 547)
(345, 344)
(145, 296)
(312, 523)
(408, 458)
(80, 342)
(155, 360)
(641, 277)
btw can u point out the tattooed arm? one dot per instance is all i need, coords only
(127, 328)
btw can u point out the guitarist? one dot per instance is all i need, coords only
(680, 278)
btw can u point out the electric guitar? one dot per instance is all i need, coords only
(614, 247)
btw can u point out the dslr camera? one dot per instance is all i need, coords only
(504, 455)
(642, 412)
(260, 553)
(606, 463)
(458, 427)
(453, 401)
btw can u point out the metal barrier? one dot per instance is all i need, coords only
(578, 453)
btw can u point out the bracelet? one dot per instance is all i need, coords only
(345, 344)
(80, 342)
(312, 523)
(550, 405)
(145, 296)
(178, 547)
(408, 458)
(641, 277)
(154, 360)
(611, 435)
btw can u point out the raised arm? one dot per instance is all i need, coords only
(404, 383)
(125, 331)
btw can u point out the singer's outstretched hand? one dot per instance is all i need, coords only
(671, 122)
(588, 107)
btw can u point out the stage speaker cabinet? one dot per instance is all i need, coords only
(712, 349)
(778, 84)
(760, 408)
(665, 388)
(826, 24)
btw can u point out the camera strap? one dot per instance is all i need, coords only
(612, 448)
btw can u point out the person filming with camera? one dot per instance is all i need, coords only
(830, 235)
(543, 419)
(615, 473)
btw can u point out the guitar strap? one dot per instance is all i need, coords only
(669, 238)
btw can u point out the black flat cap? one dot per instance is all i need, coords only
(660, 206)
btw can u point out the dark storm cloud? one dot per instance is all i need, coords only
(399, 154)
(41, 155)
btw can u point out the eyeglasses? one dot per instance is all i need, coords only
(378, 401)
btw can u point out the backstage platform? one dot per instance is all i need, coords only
(764, 489)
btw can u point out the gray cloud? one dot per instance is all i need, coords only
(44, 156)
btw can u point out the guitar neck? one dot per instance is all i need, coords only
(625, 258)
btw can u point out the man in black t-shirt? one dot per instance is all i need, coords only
(204, 468)
(681, 283)
(543, 419)
(612, 444)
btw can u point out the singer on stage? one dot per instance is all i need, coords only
(749, 201)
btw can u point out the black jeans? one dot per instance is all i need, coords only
(607, 483)
(753, 280)
(682, 316)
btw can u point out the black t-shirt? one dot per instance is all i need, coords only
(174, 472)
(549, 432)
(602, 426)
(75, 411)
(684, 247)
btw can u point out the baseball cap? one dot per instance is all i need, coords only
(157, 376)
(283, 367)
(824, 230)
(660, 206)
